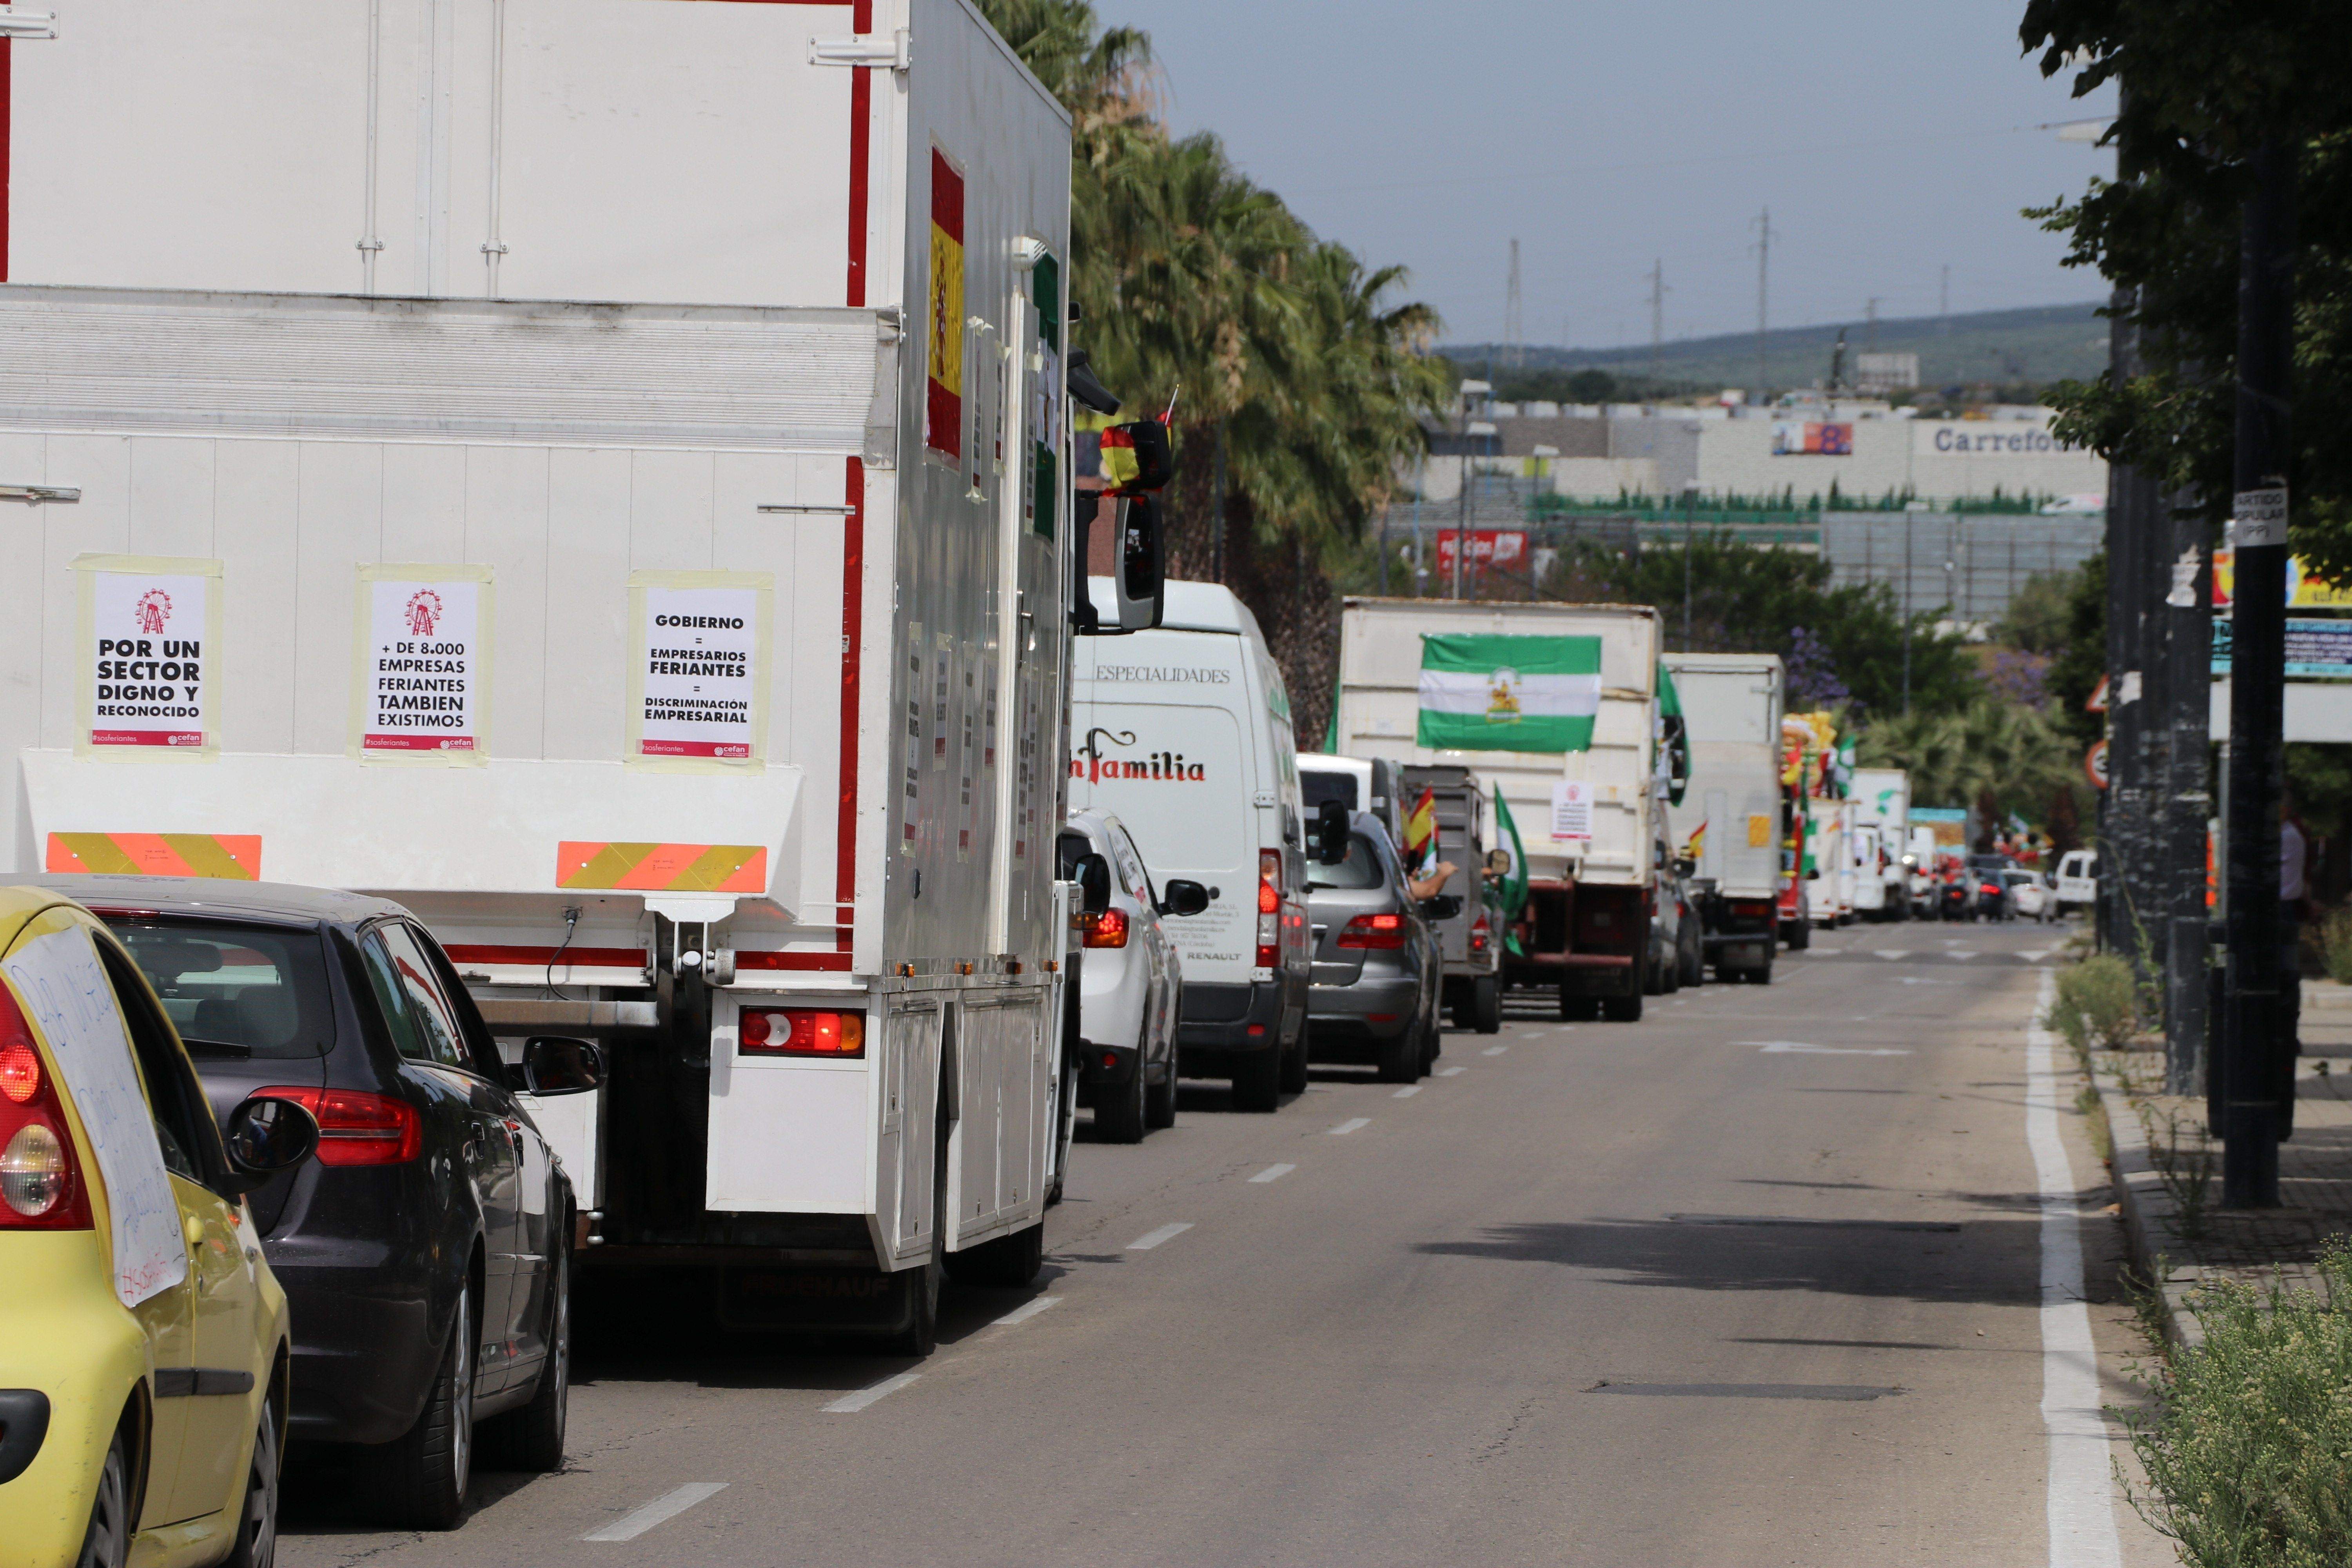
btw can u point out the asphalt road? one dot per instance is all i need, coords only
(1757, 1280)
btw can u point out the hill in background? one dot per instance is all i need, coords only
(2009, 349)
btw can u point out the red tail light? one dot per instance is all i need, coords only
(1108, 929)
(804, 1031)
(1269, 908)
(1373, 931)
(1750, 908)
(41, 1185)
(1479, 931)
(355, 1127)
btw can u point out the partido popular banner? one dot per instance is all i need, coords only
(1490, 692)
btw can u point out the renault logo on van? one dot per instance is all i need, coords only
(1092, 766)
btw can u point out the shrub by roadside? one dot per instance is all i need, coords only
(2247, 1443)
(2098, 1003)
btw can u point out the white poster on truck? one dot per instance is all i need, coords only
(699, 688)
(421, 685)
(1571, 812)
(150, 640)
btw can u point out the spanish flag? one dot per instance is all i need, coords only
(943, 333)
(1696, 847)
(1421, 832)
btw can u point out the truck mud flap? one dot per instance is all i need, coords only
(815, 1301)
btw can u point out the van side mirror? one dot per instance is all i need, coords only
(1183, 898)
(1441, 906)
(265, 1135)
(1331, 833)
(1094, 884)
(1141, 572)
(553, 1065)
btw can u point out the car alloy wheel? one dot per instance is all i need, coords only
(108, 1542)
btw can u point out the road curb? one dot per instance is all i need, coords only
(2149, 1214)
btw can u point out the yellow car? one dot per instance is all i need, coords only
(142, 1372)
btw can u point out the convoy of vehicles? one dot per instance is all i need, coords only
(1882, 803)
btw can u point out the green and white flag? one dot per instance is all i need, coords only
(1496, 693)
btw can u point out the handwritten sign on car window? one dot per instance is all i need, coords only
(66, 992)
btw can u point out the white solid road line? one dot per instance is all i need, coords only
(1151, 1238)
(1494, 1050)
(1407, 1092)
(2082, 1473)
(1026, 1310)
(1449, 1072)
(851, 1404)
(1351, 1125)
(669, 1505)
(1274, 1173)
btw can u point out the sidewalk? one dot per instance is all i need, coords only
(2167, 1176)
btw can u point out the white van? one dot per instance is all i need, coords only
(2078, 880)
(1184, 732)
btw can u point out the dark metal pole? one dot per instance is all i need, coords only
(2187, 637)
(2120, 805)
(2257, 1083)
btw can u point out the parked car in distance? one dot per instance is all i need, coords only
(1378, 973)
(2078, 880)
(2030, 894)
(1131, 989)
(426, 1252)
(144, 1376)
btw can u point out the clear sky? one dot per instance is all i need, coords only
(1889, 138)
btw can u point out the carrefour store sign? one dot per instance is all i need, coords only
(1988, 438)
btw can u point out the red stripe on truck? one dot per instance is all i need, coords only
(852, 625)
(573, 957)
(7, 65)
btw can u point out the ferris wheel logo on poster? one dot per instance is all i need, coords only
(153, 611)
(424, 612)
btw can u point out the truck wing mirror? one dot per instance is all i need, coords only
(1140, 579)
(1087, 386)
(1184, 898)
(1441, 907)
(1331, 833)
(1094, 884)
(553, 1065)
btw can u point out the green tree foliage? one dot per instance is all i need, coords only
(2001, 758)
(1299, 377)
(2207, 81)
(1747, 598)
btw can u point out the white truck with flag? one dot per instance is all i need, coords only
(646, 553)
(1730, 822)
(1556, 708)
(1882, 811)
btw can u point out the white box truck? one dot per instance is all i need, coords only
(1882, 803)
(1829, 860)
(1592, 819)
(595, 471)
(1734, 805)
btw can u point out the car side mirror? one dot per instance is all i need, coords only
(264, 1136)
(1441, 906)
(553, 1065)
(1093, 877)
(1184, 898)
(1331, 833)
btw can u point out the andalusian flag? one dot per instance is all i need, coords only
(1420, 834)
(1673, 737)
(1489, 692)
(1514, 886)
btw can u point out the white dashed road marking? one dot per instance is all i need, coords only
(1026, 1310)
(1494, 1050)
(1351, 1125)
(1407, 1092)
(1449, 1072)
(669, 1505)
(1274, 1173)
(1151, 1238)
(851, 1404)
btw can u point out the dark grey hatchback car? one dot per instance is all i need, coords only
(434, 1201)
